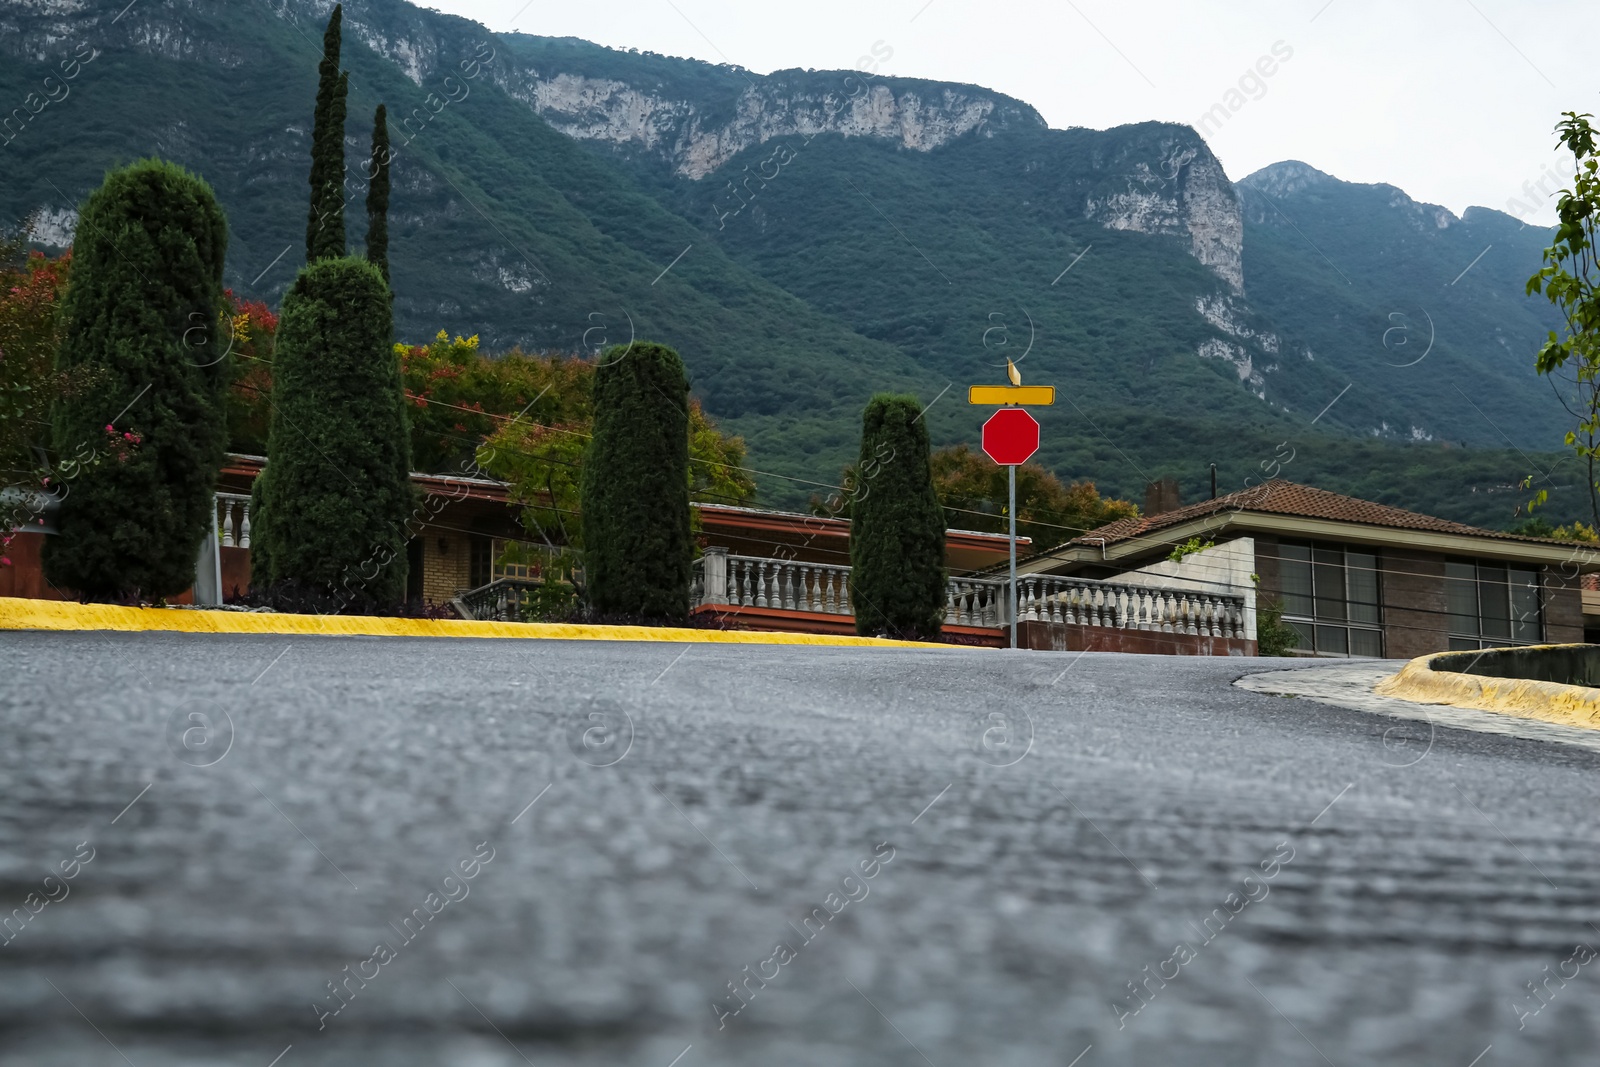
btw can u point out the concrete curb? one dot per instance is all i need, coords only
(21, 614)
(1552, 702)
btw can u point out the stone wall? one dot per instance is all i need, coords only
(1069, 637)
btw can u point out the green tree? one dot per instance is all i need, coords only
(331, 507)
(325, 223)
(378, 195)
(638, 549)
(972, 487)
(1570, 278)
(897, 576)
(143, 308)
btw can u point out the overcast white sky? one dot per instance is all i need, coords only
(1452, 100)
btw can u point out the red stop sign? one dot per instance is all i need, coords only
(1010, 436)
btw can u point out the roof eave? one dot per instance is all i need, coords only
(1133, 549)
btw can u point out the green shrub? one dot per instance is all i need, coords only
(638, 550)
(1181, 552)
(143, 309)
(1274, 637)
(897, 577)
(332, 505)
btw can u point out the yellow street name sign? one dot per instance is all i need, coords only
(1006, 395)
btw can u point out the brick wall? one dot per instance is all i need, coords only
(446, 563)
(1563, 608)
(1414, 619)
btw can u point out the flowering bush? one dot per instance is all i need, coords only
(24, 512)
(252, 332)
(31, 288)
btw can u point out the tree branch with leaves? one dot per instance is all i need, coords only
(1570, 279)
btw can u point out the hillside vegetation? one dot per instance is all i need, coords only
(854, 264)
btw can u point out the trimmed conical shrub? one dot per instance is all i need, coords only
(325, 222)
(637, 547)
(144, 307)
(331, 507)
(897, 576)
(378, 196)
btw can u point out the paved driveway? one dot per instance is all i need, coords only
(397, 852)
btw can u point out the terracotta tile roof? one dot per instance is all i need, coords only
(1281, 497)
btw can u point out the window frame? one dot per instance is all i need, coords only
(1458, 638)
(1321, 624)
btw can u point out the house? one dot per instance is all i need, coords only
(758, 569)
(1353, 577)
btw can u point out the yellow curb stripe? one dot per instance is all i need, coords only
(17, 613)
(1524, 698)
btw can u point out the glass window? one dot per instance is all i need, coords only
(517, 559)
(1361, 572)
(1334, 640)
(1296, 572)
(1525, 605)
(479, 569)
(1366, 643)
(1304, 630)
(1331, 597)
(1494, 600)
(1490, 604)
(1461, 597)
(1328, 580)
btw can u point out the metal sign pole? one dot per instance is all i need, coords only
(1011, 509)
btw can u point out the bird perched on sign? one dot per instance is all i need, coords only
(1013, 373)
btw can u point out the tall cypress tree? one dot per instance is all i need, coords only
(331, 507)
(325, 223)
(378, 195)
(637, 548)
(144, 307)
(897, 575)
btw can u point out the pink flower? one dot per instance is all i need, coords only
(109, 429)
(5, 561)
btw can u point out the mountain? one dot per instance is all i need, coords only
(1424, 312)
(806, 238)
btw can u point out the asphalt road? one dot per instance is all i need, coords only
(245, 818)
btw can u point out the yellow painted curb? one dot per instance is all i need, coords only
(17, 613)
(1565, 705)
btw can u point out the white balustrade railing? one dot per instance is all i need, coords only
(1086, 602)
(975, 602)
(751, 581)
(754, 582)
(233, 519)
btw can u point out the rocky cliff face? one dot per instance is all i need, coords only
(1172, 184)
(694, 134)
(916, 115)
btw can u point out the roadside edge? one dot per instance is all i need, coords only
(1553, 702)
(21, 614)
